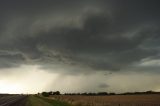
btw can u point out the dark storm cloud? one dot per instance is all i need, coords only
(101, 35)
(9, 59)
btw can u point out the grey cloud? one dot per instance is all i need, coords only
(9, 59)
(103, 85)
(112, 38)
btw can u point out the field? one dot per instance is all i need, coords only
(112, 100)
(79, 100)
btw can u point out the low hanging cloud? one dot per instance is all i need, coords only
(85, 34)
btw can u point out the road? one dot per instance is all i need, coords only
(30, 100)
(13, 100)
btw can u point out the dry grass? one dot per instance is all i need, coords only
(115, 100)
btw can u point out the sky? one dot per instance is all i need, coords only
(79, 45)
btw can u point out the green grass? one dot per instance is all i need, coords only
(42, 101)
(34, 101)
(54, 102)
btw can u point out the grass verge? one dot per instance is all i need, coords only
(34, 101)
(54, 102)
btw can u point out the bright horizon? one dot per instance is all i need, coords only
(33, 80)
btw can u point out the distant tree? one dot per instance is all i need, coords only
(150, 92)
(56, 93)
(92, 94)
(45, 94)
(112, 93)
(50, 93)
(84, 93)
(102, 93)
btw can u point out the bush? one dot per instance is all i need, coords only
(45, 94)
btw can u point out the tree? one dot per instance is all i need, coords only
(46, 94)
(56, 93)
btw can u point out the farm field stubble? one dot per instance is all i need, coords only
(112, 100)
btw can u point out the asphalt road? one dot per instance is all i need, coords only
(13, 100)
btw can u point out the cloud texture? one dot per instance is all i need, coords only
(80, 37)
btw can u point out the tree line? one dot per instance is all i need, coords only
(46, 94)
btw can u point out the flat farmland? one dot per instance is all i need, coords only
(112, 100)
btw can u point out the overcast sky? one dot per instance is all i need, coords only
(79, 45)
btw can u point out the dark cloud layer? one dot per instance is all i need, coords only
(102, 35)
